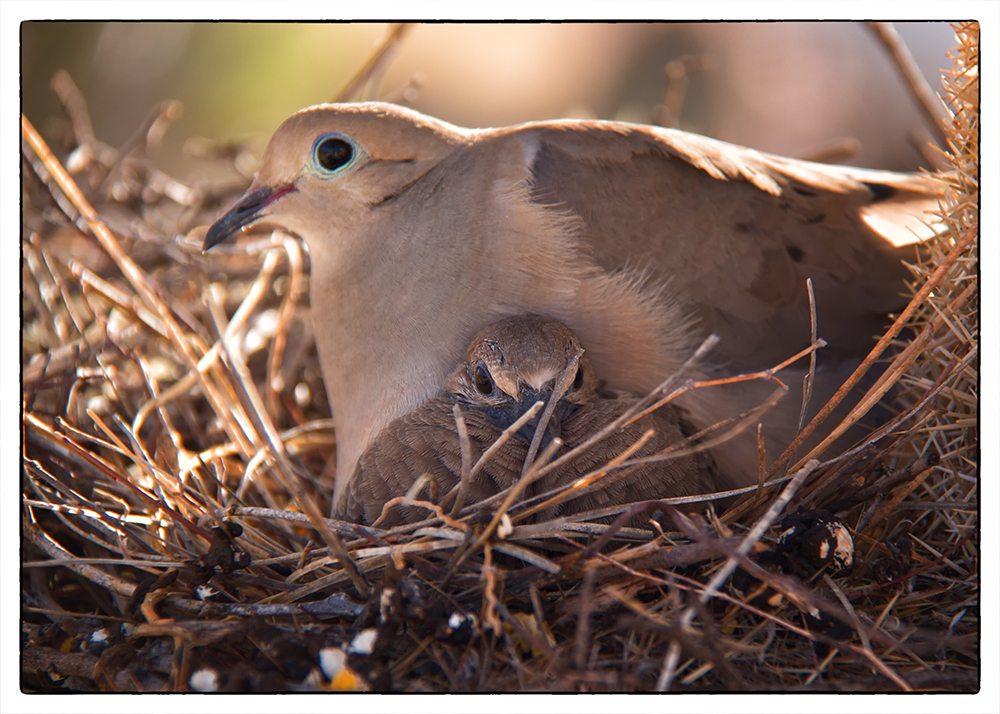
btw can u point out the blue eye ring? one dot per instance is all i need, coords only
(334, 153)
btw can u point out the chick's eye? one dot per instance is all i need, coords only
(578, 379)
(333, 152)
(481, 378)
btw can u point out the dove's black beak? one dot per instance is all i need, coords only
(243, 213)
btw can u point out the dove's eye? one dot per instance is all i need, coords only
(332, 152)
(481, 378)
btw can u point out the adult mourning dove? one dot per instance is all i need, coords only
(511, 364)
(640, 239)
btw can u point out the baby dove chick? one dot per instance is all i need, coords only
(510, 365)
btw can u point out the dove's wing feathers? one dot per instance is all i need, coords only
(735, 232)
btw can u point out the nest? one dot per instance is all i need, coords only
(175, 475)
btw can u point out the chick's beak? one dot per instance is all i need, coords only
(553, 429)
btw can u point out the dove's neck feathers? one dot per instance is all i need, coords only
(452, 264)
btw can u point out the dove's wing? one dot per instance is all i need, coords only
(735, 232)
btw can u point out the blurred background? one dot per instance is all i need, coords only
(787, 88)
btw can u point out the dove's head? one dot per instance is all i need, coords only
(332, 166)
(517, 361)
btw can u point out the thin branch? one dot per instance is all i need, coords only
(933, 109)
(376, 63)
